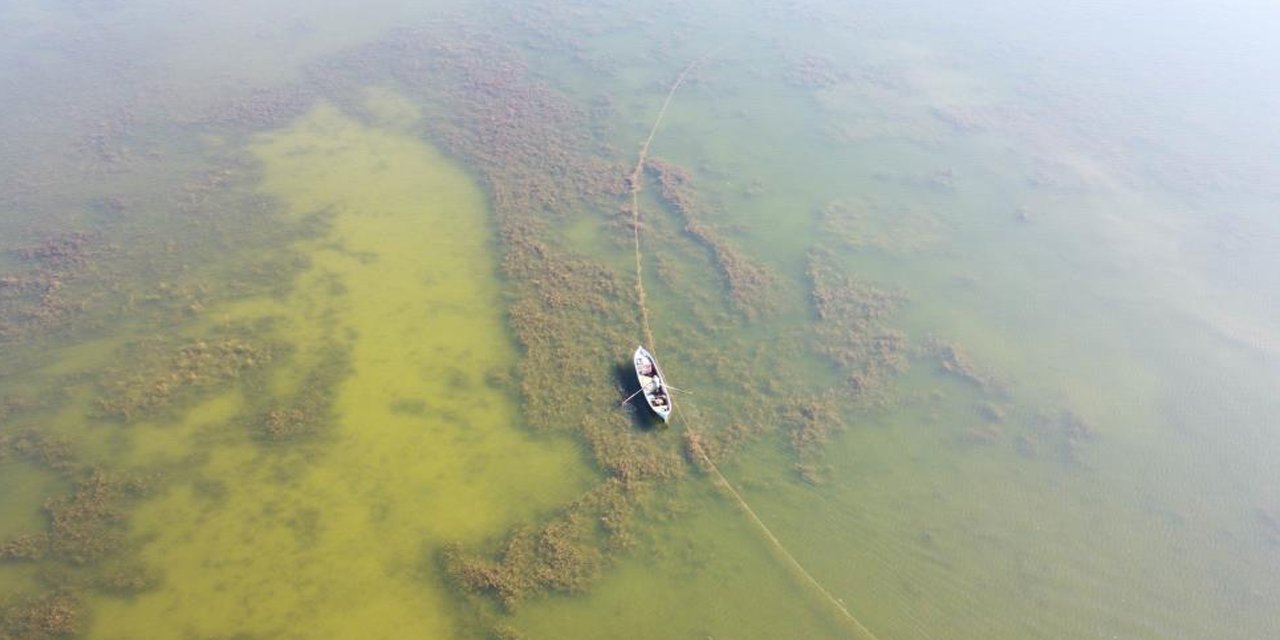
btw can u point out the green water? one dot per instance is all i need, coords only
(425, 451)
(286, 284)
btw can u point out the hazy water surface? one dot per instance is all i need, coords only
(315, 320)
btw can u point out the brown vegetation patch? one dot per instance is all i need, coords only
(954, 361)
(42, 449)
(85, 525)
(24, 547)
(703, 449)
(82, 548)
(750, 285)
(309, 412)
(36, 300)
(1059, 434)
(88, 524)
(564, 554)
(53, 615)
(849, 326)
(809, 424)
(162, 371)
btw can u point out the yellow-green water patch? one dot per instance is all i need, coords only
(334, 536)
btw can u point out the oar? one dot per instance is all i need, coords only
(630, 397)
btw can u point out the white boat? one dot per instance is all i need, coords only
(652, 383)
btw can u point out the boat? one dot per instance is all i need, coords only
(652, 383)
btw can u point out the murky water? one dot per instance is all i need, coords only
(314, 321)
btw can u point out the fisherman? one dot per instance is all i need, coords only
(649, 380)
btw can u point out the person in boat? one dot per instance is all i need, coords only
(659, 399)
(649, 376)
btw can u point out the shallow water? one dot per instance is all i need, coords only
(328, 294)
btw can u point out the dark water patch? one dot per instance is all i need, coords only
(409, 406)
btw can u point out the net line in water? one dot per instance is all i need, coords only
(636, 185)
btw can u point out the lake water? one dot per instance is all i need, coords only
(315, 320)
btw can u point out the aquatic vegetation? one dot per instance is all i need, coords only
(88, 525)
(1062, 432)
(54, 615)
(701, 449)
(526, 146)
(529, 147)
(954, 361)
(810, 423)
(308, 412)
(35, 446)
(25, 547)
(564, 554)
(36, 300)
(532, 149)
(259, 109)
(163, 371)
(849, 327)
(83, 547)
(749, 284)
(64, 254)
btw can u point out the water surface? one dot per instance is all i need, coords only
(314, 320)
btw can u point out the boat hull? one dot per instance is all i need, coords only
(652, 383)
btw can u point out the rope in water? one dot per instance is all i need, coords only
(636, 185)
